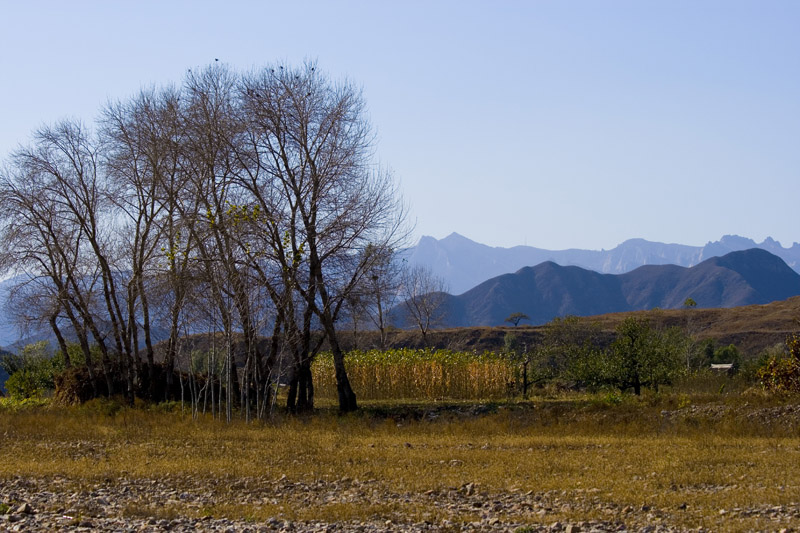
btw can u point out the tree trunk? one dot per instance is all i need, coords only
(105, 361)
(304, 388)
(347, 398)
(62, 344)
(305, 399)
(300, 398)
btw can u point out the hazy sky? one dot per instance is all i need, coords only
(553, 123)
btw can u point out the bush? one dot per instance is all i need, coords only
(13, 404)
(25, 383)
(640, 356)
(32, 372)
(782, 373)
(107, 407)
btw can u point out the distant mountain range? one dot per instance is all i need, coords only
(549, 290)
(464, 263)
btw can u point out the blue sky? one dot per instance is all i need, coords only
(555, 124)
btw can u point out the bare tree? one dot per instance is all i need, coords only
(66, 156)
(379, 289)
(327, 202)
(42, 243)
(214, 132)
(424, 294)
(141, 153)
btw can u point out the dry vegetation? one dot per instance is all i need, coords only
(751, 328)
(725, 463)
(420, 374)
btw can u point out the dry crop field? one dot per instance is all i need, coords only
(658, 463)
(420, 374)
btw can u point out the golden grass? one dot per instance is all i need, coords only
(600, 458)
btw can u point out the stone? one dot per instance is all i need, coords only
(25, 508)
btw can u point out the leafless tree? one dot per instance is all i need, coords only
(213, 132)
(424, 294)
(375, 294)
(141, 141)
(46, 247)
(327, 201)
(381, 288)
(66, 157)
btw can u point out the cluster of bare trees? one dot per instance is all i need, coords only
(245, 201)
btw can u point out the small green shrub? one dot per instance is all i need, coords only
(684, 401)
(24, 383)
(32, 372)
(610, 398)
(18, 404)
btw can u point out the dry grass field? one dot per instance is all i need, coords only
(666, 462)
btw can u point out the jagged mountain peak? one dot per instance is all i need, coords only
(457, 237)
(735, 242)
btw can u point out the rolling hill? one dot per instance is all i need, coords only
(548, 290)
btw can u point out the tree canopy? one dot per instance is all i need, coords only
(516, 318)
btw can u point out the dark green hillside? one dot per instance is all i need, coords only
(547, 291)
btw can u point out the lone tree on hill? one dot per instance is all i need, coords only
(516, 318)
